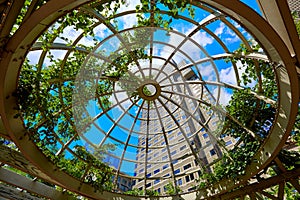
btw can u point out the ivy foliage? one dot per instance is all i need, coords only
(296, 16)
(156, 19)
(252, 113)
(171, 189)
(45, 91)
(138, 192)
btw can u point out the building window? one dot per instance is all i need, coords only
(174, 162)
(228, 143)
(165, 188)
(212, 152)
(179, 133)
(182, 148)
(187, 179)
(177, 171)
(199, 173)
(164, 158)
(195, 161)
(187, 166)
(205, 135)
(156, 181)
(158, 190)
(148, 175)
(156, 171)
(173, 153)
(148, 185)
(165, 166)
(148, 166)
(166, 175)
(141, 170)
(192, 177)
(179, 182)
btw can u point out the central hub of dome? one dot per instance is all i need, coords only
(150, 90)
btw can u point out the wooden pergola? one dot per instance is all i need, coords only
(275, 30)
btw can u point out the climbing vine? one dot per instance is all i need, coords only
(253, 113)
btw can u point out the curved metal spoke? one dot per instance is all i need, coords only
(183, 132)
(224, 113)
(167, 143)
(127, 141)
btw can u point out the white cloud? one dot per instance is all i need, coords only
(101, 31)
(191, 49)
(227, 34)
(87, 41)
(227, 75)
(220, 29)
(233, 36)
(203, 38)
(207, 72)
(225, 96)
(129, 20)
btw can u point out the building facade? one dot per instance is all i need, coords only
(179, 136)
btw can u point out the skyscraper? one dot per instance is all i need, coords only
(178, 136)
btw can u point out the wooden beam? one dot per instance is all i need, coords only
(268, 195)
(9, 192)
(294, 182)
(278, 14)
(17, 160)
(281, 190)
(263, 184)
(10, 20)
(3, 132)
(36, 187)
